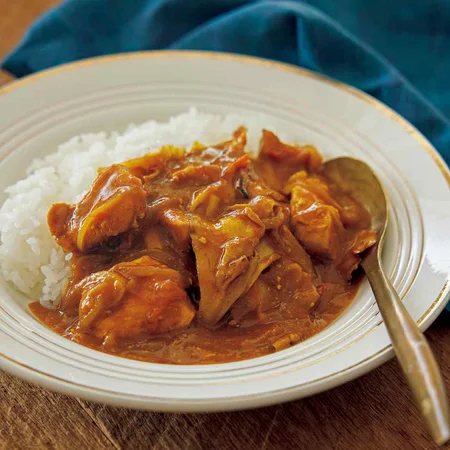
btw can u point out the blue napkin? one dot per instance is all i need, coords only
(397, 51)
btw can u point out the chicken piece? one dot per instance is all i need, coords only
(231, 171)
(305, 156)
(363, 240)
(258, 299)
(288, 287)
(211, 200)
(229, 258)
(178, 226)
(100, 292)
(223, 152)
(250, 185)
(133, 298)
(300, 291)
(282, 292)
(113, 205)
(160, 246)
(321, 217)
(196, 175)
(75, 288)
(352, 214)
(317, 184)
(277, 161)
(272, 213)
(151, 164)
(169, 241)
(234, 148)
(286, 243)
(82, 266)
(315, 217)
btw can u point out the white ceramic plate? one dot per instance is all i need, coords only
(107, 93)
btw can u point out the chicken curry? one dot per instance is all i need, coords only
(207, 255)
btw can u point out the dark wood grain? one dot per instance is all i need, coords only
(373, 412)
(32, 418)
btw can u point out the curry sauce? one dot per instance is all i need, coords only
(207, 255)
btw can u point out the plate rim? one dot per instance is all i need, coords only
(250, 400)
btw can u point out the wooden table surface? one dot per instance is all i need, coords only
(373, 412)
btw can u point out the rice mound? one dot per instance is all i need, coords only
(29, 256)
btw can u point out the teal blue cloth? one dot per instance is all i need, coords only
(395, 50)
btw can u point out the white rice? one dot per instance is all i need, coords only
(29, 256)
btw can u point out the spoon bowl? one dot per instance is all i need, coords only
(356, 177)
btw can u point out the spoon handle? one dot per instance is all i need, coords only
(413, 352)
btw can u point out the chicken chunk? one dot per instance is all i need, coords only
(133, 298)
(273, 214)
(196, 175)
(282, 292)
(211, 200)
(229, 259)
(363, 240)
(321, 214)
(288, 288)
(315, 217)
(234, 148)
(112, 206)
(160, 246)
(178, 226)
(151, 164)
(277, 161)
(283, 239)
(251, 185)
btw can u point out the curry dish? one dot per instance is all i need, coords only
(207, 255)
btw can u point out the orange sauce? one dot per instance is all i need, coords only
(207, 256)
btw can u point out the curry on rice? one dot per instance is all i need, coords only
(207, 255)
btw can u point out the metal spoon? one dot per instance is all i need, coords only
(413, 352)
